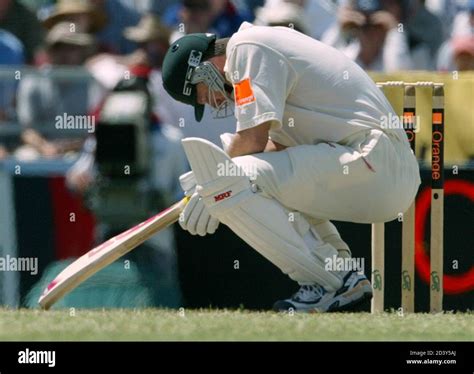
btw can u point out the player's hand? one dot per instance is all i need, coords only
(349, 18)
(196, 219)
(79, 180)
(44, 147)
(50, 150)
(385, 19)
(3, 152)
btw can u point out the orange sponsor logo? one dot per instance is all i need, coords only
(408, 117)
(438, 118)
(243, 92)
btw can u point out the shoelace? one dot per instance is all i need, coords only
(305, 292)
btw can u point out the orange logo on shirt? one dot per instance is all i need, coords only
(243, 92)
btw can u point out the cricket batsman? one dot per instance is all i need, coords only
(309, 147)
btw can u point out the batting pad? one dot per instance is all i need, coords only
(261, 221)
(329, 234)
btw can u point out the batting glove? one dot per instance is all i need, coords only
(195, 218)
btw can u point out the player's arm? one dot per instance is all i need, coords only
(259, 101)
(273, 146)
(251, 140)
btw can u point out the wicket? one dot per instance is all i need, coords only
(408, 222)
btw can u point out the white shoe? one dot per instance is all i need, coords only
(314, 298)
(355, 289)
(309, 298)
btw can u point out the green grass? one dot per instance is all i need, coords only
(223, 325)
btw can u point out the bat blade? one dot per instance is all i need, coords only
(106, 253)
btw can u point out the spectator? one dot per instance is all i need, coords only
(11, 54)
(160, 7)
(226, 18)
(463, 23)
(463, 26)
(283, 14)
(247, 8)
(446, 11)
(191, 16)
(152, 37)
(41, 97)
(36, 5)
(425, 36)
(104, 18)
(12, 51)
(119, 16)
(322, 14)
(252, 5)
(3, 152)
(21, 22)
(82, 13)
(463, 52)
(367, 32)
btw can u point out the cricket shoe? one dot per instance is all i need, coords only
(314, 298)
(309, 298)
(355, 289)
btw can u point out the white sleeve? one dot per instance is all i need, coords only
(28, 99)
(334, 37)
(262, 79)
(396, 53)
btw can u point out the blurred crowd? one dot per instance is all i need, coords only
(105, 40)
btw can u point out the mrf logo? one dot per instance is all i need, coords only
(222, 196)
(193, 61)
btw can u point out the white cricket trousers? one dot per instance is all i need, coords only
(371, 176)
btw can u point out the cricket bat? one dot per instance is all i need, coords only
(106, 253)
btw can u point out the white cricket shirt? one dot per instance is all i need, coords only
(314, 92)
